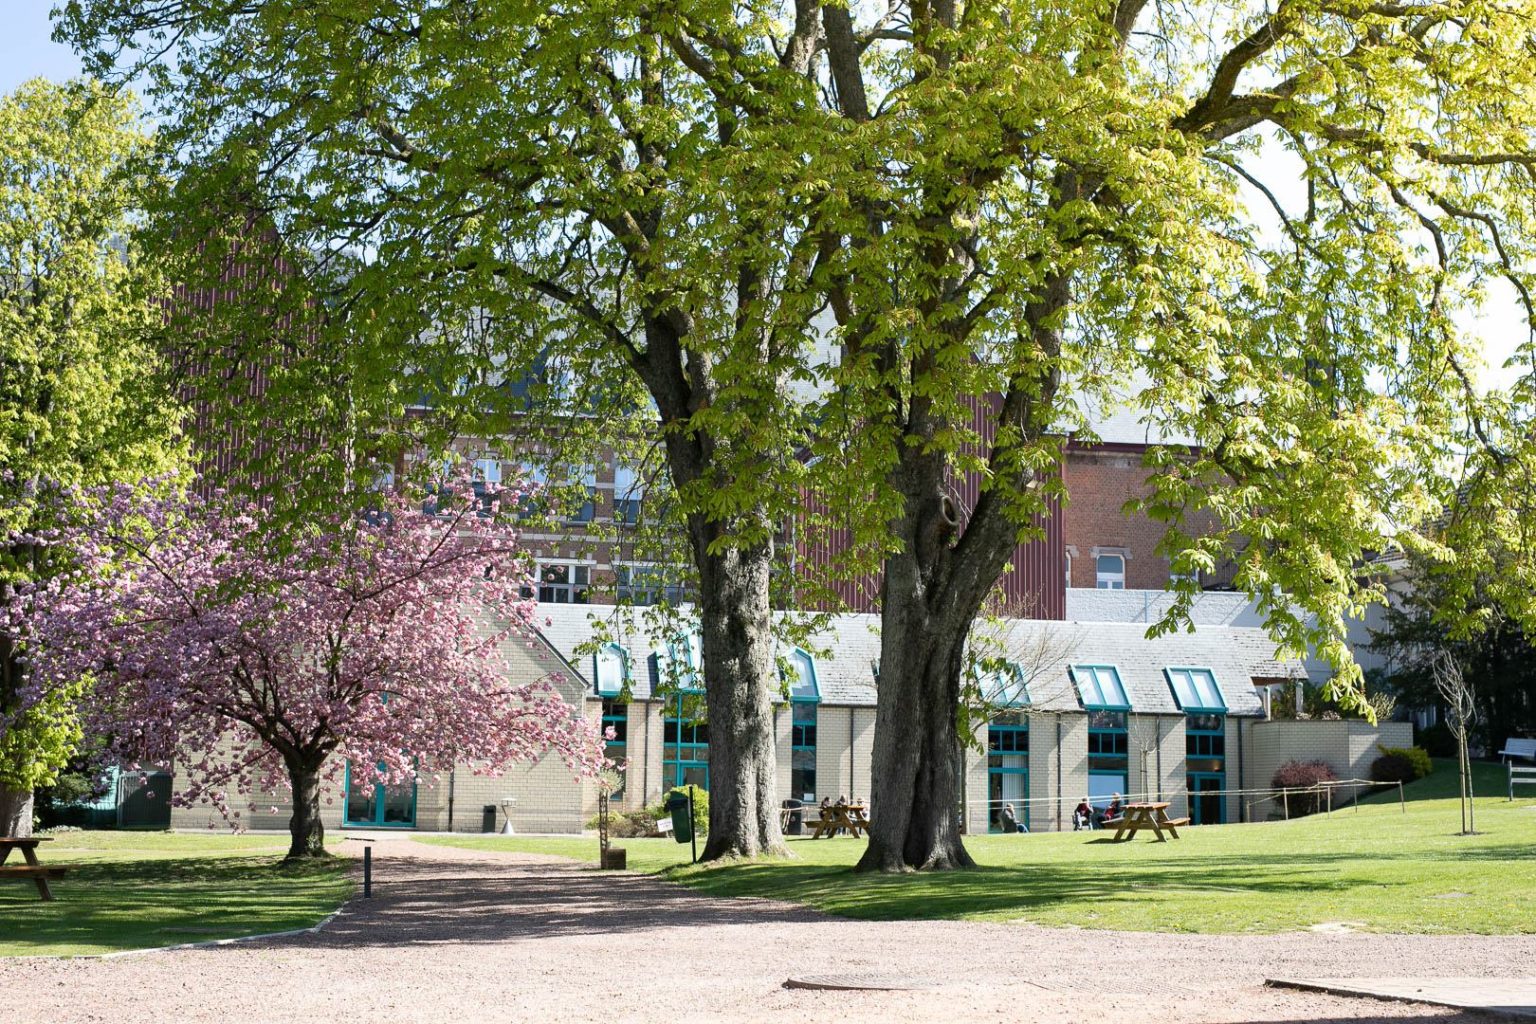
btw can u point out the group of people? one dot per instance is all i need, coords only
(1084, 816)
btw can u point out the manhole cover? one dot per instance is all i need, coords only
(854, 982)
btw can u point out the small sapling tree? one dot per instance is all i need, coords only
(252, 661)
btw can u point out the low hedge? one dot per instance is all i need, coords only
(1401, 764)
(1303, 775)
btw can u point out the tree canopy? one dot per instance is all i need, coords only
(80, 402)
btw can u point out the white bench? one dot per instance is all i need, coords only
(1521, 748)
(1520, 776)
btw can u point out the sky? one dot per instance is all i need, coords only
(28, 50)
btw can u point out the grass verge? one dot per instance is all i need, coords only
(1377, 868)
(135, 890)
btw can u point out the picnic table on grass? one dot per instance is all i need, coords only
(31, 869)
(848, 817)
(1138, 817)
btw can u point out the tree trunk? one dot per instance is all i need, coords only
(740, 683)
(15, 811)
(915, 800)
(305, 827)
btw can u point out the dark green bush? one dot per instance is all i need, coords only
(1392, 767)
(1417, 758)
(1437, 740)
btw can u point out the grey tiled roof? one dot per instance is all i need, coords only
(849, 646)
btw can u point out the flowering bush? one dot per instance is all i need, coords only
(1304, 775)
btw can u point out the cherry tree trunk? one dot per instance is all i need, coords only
(305, 827)
(916, 764)
(740, 683)
(15, 811)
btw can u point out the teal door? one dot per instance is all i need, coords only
(379, 806)
(1206, 806)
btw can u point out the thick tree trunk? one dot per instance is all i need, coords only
(305, 827)
(15, 811)
(740, 682)
(915, 800)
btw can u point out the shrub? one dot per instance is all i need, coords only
(1416, 757)
(1304, 775)
(1393, 766)
(628, 824)
(700, 806)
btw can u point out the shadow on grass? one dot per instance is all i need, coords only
(104, 905)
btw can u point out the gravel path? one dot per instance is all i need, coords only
(466, 936)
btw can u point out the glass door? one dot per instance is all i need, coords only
(379, 806)
(1206, 807)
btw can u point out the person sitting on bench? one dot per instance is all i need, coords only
(1114, 810)
(1008, 821)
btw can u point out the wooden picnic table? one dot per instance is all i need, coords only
(31, 869)
(1139, 817)
(849, 817)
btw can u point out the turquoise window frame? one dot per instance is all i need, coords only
(625, 679)
(616, 714)
(1010, 692)
(378, 805)
(808, 677)
(1085, 676)
(996, 731)
(1199, 703)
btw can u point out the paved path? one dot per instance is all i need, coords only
(461, 936)
(1510, 997)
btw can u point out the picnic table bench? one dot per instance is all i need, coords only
(1140, 817)
(849, 817)
(1520, 775)
(31, 869)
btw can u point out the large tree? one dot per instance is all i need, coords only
(378, 642)
(462, 191)
(1259, 221)
(78, 397)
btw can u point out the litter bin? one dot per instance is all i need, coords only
(488, 818)
(682, 821)
(796, 825)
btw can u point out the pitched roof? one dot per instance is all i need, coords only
(849, 647)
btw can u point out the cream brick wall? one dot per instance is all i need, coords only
(975, 772)
(1234, 768)
(1348, 747)
(1043, 816)
(1173, 783)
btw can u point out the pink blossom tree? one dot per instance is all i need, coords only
(252, 659)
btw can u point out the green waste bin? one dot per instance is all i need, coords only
(682, 821)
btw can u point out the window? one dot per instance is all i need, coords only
(1111, 572)
(802, 756)
(1108, 744)
(487, 470)
(1195, 689)
(1069, 569)
(564, 584)
(610, 670)
(1007, 769)
(1205, 761)
(560, 494)
(1099, 687)
(685, 747)
(1005, 687)
(628, 490)
(616, 718)
(648, 584)
(802, 680)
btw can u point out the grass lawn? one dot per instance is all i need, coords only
(1375, 868)
(133, 890)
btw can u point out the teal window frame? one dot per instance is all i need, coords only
(1007, 737)
(616, 716)
(625, 679)
(1006, 687)
(804, 686)
(1091, 691)
(690, 737)
(1190, 697)
(1196, 815)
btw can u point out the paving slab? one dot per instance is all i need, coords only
(1505, 997)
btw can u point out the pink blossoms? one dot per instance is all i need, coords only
(389, 643)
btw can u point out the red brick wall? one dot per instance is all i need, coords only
(1099, 482)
